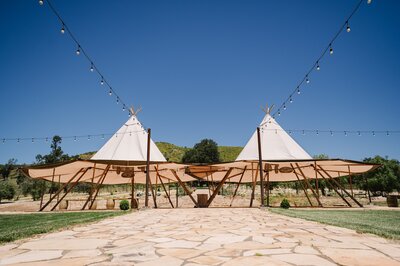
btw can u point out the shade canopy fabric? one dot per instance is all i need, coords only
(129, 144)
(280, 171)
(114, 173)
(276, 144)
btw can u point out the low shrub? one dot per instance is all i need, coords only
(124, 205)
(285, 204)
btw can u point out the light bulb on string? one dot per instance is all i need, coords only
(298, 90)
(62, 29)
(47, 139)
(387, 133)
(284, 107)
(368, 2)
(345, 133)
(317, 132)
(330, 49)
(373, 133)
(102, 136)
(291, 100)
(78, 51)
(18, 140)
(303, 133)
(331, 133)
(318, 67)
(307, 79)
(359, 133)
(110, 92)
(279, 113)
(33, 140)
(88, 137)
(91, 67)
(117, 100)
(123, 108)
(347, 27)
(74, 138)
(4, 141)
(102, 80)
(41, 2)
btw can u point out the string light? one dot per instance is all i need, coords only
(47, 139)
(117, 100)
(291, 100)
(359, 133)
(328, 49)
(74, 138)
(317, 132)
(123, 108)
(373, 133)
(368, 2)
(331, 133)
(66, 30)
(88, 137)
(110, 92)
(4, 141)
(284, 107)
(345, 133)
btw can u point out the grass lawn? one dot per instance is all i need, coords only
(384, 223)
(17, 226)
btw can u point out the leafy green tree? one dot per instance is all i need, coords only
(206, 151)
(7, 190)
(56, 154)
(8, 167)
(384, 179)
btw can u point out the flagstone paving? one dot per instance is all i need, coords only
(203, 237)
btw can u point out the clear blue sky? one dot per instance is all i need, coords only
(199, 69)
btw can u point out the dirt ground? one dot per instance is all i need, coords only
(242, 199)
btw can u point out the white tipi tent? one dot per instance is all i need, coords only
(276, 144)
(129, 143)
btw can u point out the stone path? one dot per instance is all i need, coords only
(203, 237)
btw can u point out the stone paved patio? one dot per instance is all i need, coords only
(203, 237)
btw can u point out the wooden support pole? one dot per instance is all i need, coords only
(208, 185)
(369, 194)
(59, 191)
(152, 192)
(184, 188)
(162, 184)
(333, 187)
(350, 181)
(93, 189)
(240, 180)
(99, 186)
(308, 183)
(302, 186)
(340, 186)
(254, 184)
(220, 184)
(261, 169)
(132, 191)
(316, 179)
(69, 189)
(177, 195)
(59, 184)
(146, 201)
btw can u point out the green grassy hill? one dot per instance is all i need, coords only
(174, 153)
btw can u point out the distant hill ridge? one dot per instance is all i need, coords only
(174, 153)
